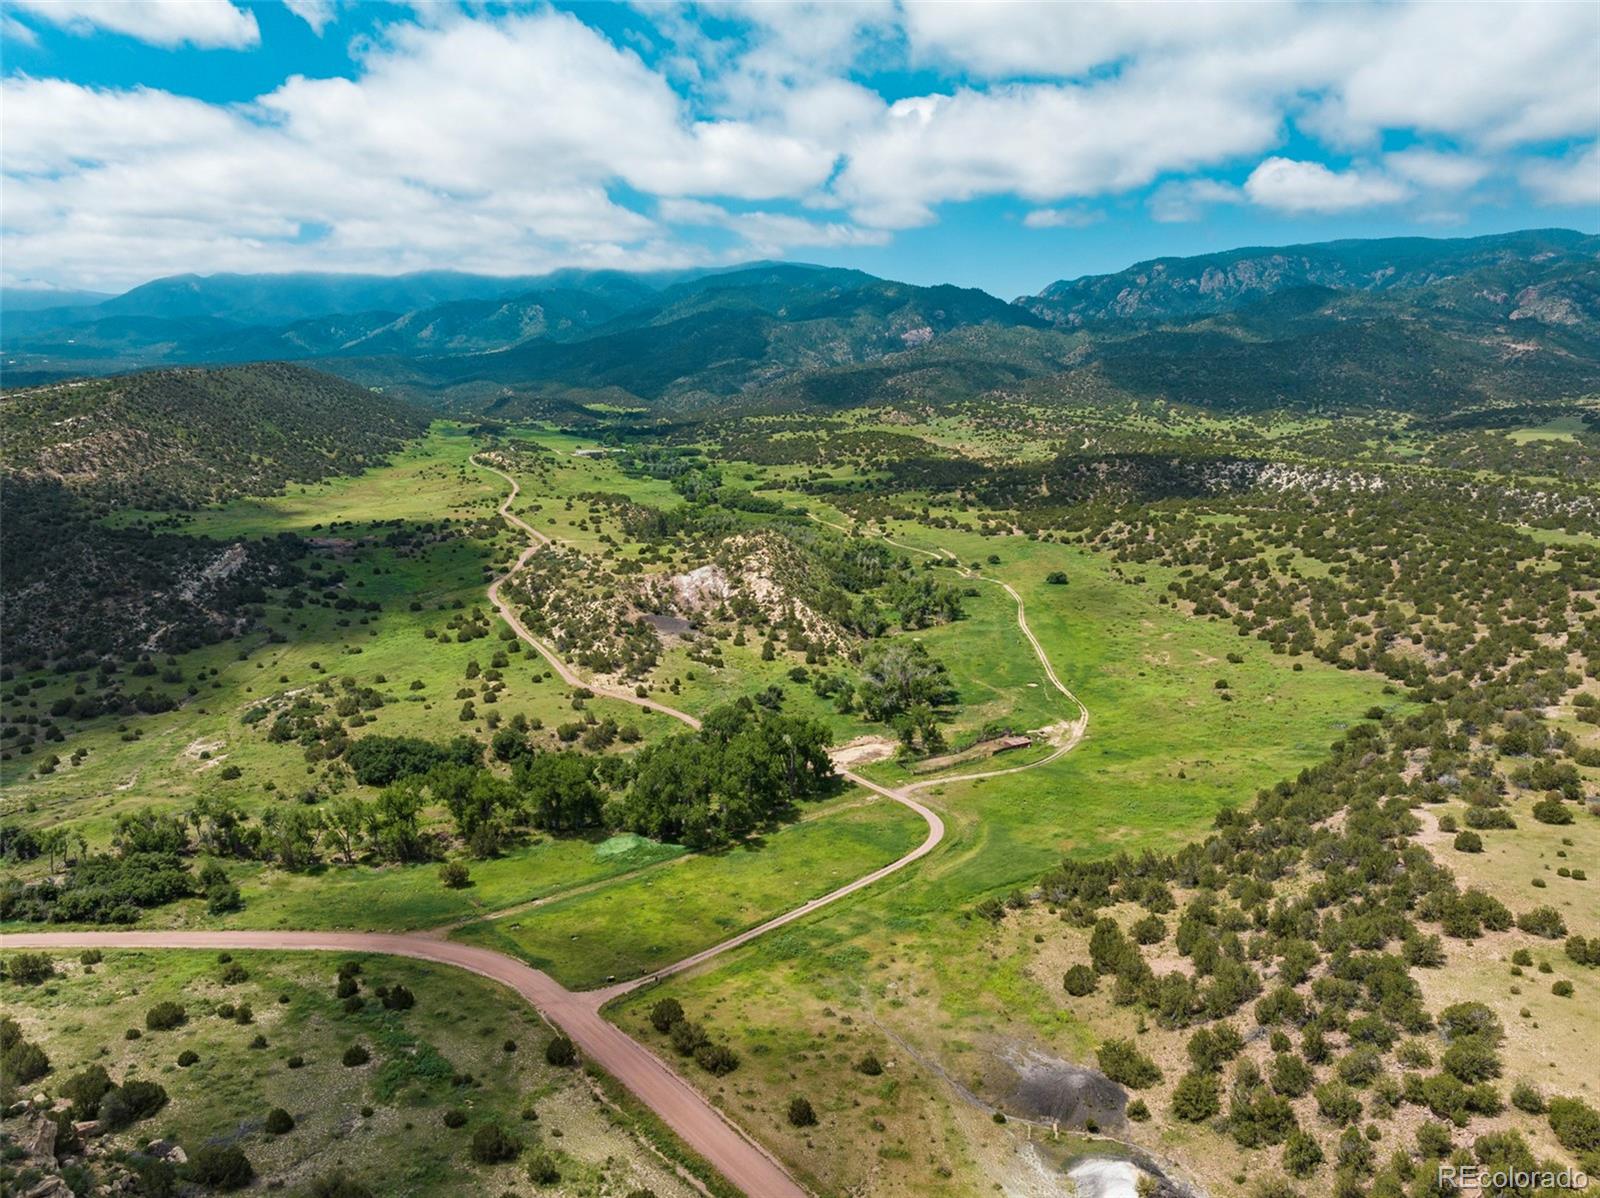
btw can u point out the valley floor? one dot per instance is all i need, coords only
(1138, 721)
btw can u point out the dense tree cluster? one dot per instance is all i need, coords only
(743, 769)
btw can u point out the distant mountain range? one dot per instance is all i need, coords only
(1414, 322)
(1493, 269)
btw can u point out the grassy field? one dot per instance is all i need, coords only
(663, 915)
(411, 897)
(383, 1121)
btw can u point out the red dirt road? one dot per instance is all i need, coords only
(700, 1125)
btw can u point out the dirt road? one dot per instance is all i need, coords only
(679, 1105)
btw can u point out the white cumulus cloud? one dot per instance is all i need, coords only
(1290, 186)
(208, 24)
(484, 138)
(1060, 218)
(1573, 180)
(1442, 172)
(315, 13)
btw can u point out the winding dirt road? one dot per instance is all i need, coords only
(745, 1163)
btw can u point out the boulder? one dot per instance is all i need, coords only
(49, 1187)
(37, 1139)
(167, 1150)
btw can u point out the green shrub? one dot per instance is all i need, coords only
(1576, 1125)
(1302, 1155)
(187, 1057)
(124, 1105)
(1291, 1076)
(1525, 1096)
(1195, 1098)
(542, 1170)
(1211, 1048)
(1337, 1103)
(1079, 981)
(1149, 930)
(665, 1013)
(716, 1059)
(455, 1117)
(29, 969)
(1126, 1065)
(561, 1051)
(1470, 1019)
(870, 1065)
(1471, 1059)
(687, 1036)
(85, 1090)
(222, 1167)
(279, 1121)
(1583, 951)
(1543, 921)
(493, 1145)
(1552, 810)
(165, 1016)
(398, 998)
(800, 1112)
(355, 1055)
(1433, 1141)
(1468, 842)
(1414, 1054)
(24, 1062)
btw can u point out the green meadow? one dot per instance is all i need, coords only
(662, 915)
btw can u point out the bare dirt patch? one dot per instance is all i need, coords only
(863, 750)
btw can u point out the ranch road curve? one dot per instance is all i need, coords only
(743, 1162)
(722, 1143)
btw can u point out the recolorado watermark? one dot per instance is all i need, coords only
(1498, 1180)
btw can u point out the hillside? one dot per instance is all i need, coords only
(177, 438)
(169, 439)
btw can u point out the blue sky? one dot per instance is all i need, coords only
(994, 145)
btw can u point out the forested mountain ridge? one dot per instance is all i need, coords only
(1484, 275)
(721, 335)
(1412, 323)
(177, 438)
